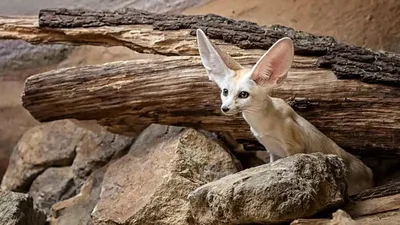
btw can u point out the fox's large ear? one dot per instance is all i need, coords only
(217, 63)
(272, 68)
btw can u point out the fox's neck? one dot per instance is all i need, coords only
(261, 115)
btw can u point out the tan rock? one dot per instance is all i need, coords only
(150, 184)
(43, 146)
(293, 187)
(59, 144)
(96, 149)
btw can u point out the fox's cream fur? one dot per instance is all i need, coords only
(272, 121)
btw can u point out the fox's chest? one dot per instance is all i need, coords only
(271, 142)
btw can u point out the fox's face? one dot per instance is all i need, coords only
(245, 89)
(238, 92)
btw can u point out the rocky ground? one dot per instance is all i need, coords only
(167, 175)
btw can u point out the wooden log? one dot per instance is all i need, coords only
(346, 61)
(391, 188)
(176, 91)
(383, 200)
(376, 200)
(358, 108)
(374, 206)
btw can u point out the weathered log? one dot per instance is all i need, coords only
(346, 61)
(364, 206)
(176, 91)
(374, 206)
(379, 199)
(361, 117)
(391, 188)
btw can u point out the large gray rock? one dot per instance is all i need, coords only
(53, 185)
(150, 184)
(59, 144)
(17, 209)
(17, 55)
(293, 187)
(41, 147)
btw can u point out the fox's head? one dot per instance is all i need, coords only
(245, 89)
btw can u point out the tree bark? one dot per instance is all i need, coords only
(350, 93)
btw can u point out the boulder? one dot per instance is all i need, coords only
(17, 209)
(150, 184)
(96, 149)
(52, 186)
(59, 144)
(293, 187)
(43, 146)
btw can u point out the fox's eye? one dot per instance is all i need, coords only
(243, 94)
(225, 92)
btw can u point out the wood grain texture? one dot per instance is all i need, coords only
(373, 206)
(346, 61)
(391, 188)
(151, 33)
(362, 118)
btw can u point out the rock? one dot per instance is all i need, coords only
(17, 209)
(43, 146)
(77, 210)
(18, 54)
(293, 187)
(150, 184)
(96, 149)
(340, 217)
(52, 186)
(59, 144)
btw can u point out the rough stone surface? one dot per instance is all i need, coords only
(17, 54)
(58, 144)
(150, 184)
(43, 146)
(293, 187)
(77, 209)
(17, 209)
(52, 186)
(96, 149)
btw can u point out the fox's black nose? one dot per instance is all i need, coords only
(225, 109)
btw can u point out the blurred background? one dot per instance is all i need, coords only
(368, 23)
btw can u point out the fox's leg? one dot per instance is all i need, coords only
(273, 157)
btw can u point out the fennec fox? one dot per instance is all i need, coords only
(272, 121)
